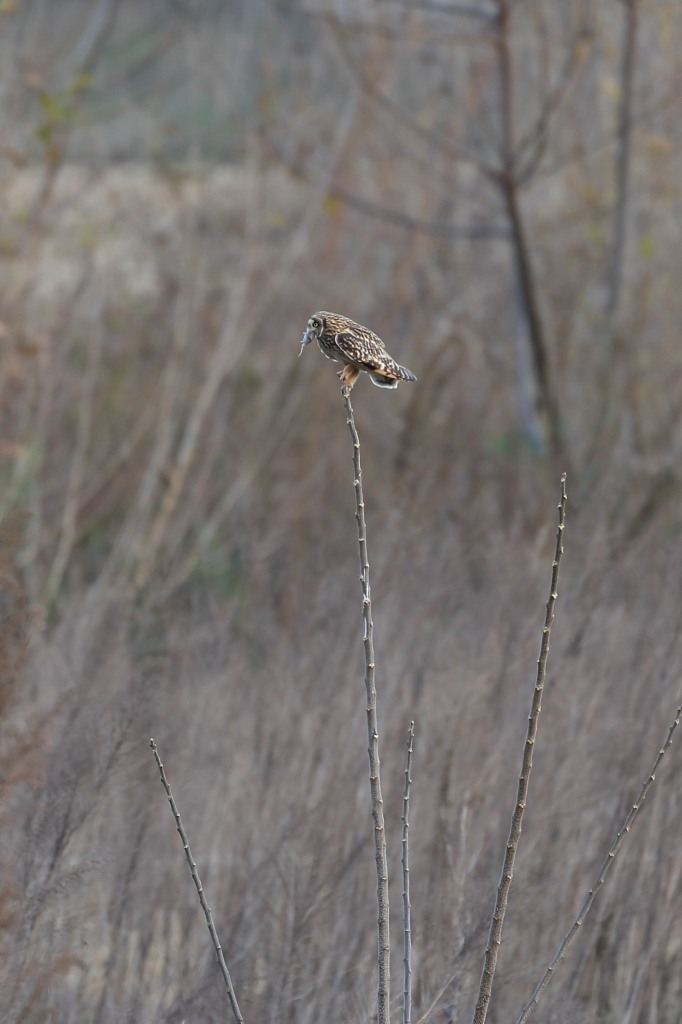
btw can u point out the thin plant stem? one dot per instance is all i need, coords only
(383, 932)
(603, 871)
(495, 936)
(407, 910)
(200, 890)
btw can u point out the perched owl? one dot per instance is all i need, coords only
(357, 348)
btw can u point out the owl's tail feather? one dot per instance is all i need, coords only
(391, 375)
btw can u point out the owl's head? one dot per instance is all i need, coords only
(314, 329)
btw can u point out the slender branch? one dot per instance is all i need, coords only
(528, 302)
(479, 11)
(603, 871)
(436, 229)
(508, 181)
(383, 934)
(407, 923)
(401, 116)
(531, 148)
(499, 912)
(202, 898)
(506, 86)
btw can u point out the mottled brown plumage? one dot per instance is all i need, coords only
(357, 348)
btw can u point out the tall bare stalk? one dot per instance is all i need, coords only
(383, 933)
(407, 910)
(603, 871)
(495, 935)
(231, 995)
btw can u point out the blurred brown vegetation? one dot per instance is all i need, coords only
(497, 193)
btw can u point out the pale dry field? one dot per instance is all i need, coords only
(179, 556)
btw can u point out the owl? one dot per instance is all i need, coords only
(357, 348)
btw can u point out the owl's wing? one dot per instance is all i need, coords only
(363, 351)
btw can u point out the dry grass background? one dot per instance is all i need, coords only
(178, 546)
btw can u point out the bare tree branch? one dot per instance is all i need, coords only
(403, 117)
(530, 149)
(483, 12)
(474, 232)
(525, 275)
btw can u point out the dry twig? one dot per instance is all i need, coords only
(200, 890)
(495, 936)
(384, 946)
(407, 912)
(603, 871)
